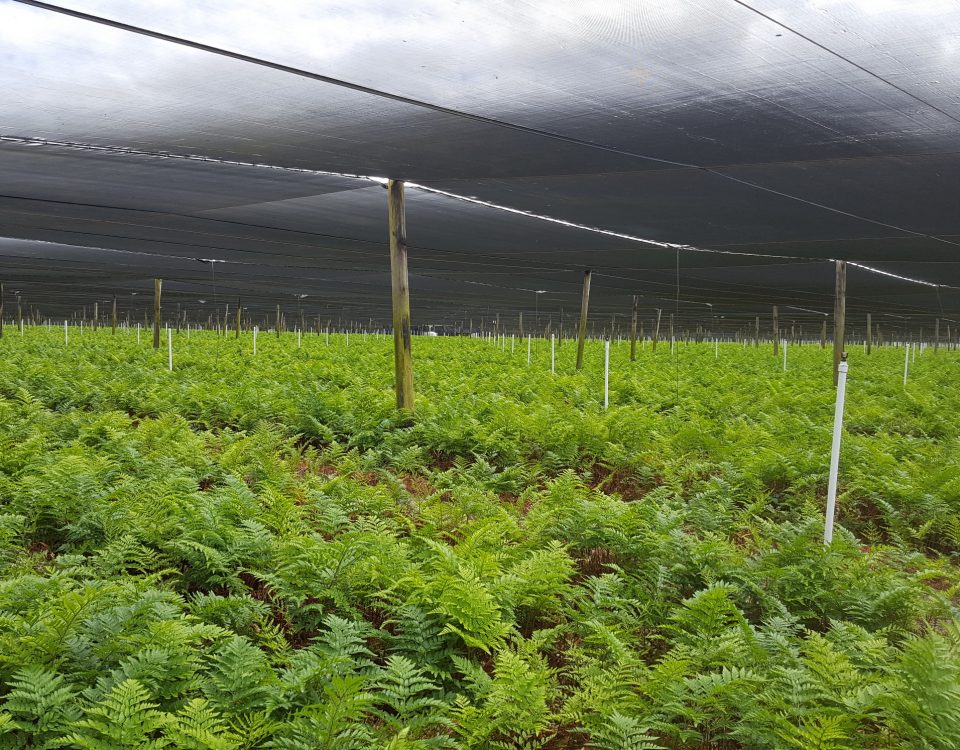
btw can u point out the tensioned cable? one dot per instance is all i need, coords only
(847, 60)
(112, 23)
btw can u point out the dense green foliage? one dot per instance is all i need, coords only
(257, 552)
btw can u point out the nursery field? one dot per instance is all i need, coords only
(258, 551)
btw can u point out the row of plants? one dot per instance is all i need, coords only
(259, 552)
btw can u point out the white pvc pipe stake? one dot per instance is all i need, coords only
(553, 356)
(906, 362)
(512, 342)
(169, 350)
(528, 348)
(835, 453)
(256, 330)
(21, 327)
(606, 374)
(298, 338)
(66, 334)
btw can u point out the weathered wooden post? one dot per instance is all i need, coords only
(584, 306)
(237, 333)
(633, 331)
(402, 354)
(869, 334)
(756, 331)
(936, 334)
(839, 318)
(656, 329)
(1, 309)
(113, 315)
(823, 334)
(157, 285)
(776, 331)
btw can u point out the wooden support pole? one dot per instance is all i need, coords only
(656, 329)
(936, 334)
(278, 321)
(157, 286)
(633, 331)
(584, 306)
(402, 355)
(839, 318)
(96, 316)
(237, 333)
(113, 315)
(869, 334)
(756, 331)
(1, 309)
(823, 334)
(776, 331)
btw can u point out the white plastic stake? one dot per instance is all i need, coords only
(256, 330)
(528, 349)
(169, 350)
(512, 341)
(906, 362)
(66, 334)
(606, 374)
(784, 355)
(835, 451)
(81, 327)
(553, 356)
(21, 326)
(298, 338)
(348, 337)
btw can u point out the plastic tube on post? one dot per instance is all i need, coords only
(256, 330)
(835, 450)
(21, 326)
(512, 341)
(906, 362)
(606, 374)
(169, 350)
(553, 356)
(66, 334)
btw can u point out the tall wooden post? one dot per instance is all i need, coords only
(278, 321)
(656, 329)
(869, 334)
(633, 331)
(519, 325)
(1, 309)
(584, 306)
(776, 331)
(756, 331)
(839, 318)
(936, 334)
(96, 316)
(113, 315)
(402, 355)
(823, 334)
(239, 312)
(157, 284)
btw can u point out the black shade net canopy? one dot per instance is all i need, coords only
(712, 157)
